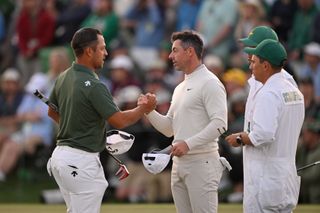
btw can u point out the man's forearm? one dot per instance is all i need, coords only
(162, 123)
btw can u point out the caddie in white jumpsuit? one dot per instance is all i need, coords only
(198, 109)
(274, 120)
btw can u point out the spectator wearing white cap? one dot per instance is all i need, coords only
(11, 96)
(311, 68)
(214, 64)
(35, 128)
(121, 74)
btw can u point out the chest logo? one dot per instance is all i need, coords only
(87, 83)
(188, 89)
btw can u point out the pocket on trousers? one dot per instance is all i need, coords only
(272, 192)
(90, 168)
(49, 167)
(293, 189)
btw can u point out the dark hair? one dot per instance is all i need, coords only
(306, 80)
(189, 39)
(275, 67)
(83, 38)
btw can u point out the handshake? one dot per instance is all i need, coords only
(147, 102)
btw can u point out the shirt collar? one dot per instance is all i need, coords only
(81, 68)
(274, 77)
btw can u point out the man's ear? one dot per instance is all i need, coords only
(266, 65)
(88, 51)
(190, 51)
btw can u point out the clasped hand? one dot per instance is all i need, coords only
(148, 102)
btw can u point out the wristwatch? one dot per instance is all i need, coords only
(239, 140)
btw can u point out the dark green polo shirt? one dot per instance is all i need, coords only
(84, 105)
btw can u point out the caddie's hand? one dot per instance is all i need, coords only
(179, 148)
(232, 140)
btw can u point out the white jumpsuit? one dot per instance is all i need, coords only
(274, 117)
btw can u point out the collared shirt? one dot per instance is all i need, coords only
(84, 105)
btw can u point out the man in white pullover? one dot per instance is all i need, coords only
(198, 111)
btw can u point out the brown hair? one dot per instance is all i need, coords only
(189, 39)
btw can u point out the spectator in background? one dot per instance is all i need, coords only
(312, 108)
(8, 50)
(311, 69)
(59, 61)
(11, 95)
(252, 14)
(281, 17)
(158, 72)
(146, 19)
(214, 64)
(36, 128)
(309, 152)
(69, 20)
(234, 80)
(105, 19)
(300, 34)
(216, 27)
(35, 30)
(2, 27)
(121, 7)
(121, 73)
(187, 12)
(316, 29)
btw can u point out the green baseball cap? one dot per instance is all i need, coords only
(258, 34)
(269, 50)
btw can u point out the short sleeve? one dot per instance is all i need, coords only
(102, 100)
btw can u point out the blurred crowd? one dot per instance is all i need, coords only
(35, 40)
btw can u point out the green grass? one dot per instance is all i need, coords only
(25, 187)
(132, 208)
(21, 194)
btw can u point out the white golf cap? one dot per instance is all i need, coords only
(312, 48)
(155, 162)
(122, 62)
(10, 74)
(128, 94)
(118, 142)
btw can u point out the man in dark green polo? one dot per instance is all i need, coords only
(85, 105)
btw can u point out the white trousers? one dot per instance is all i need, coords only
(80, 177)
(194, 182)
